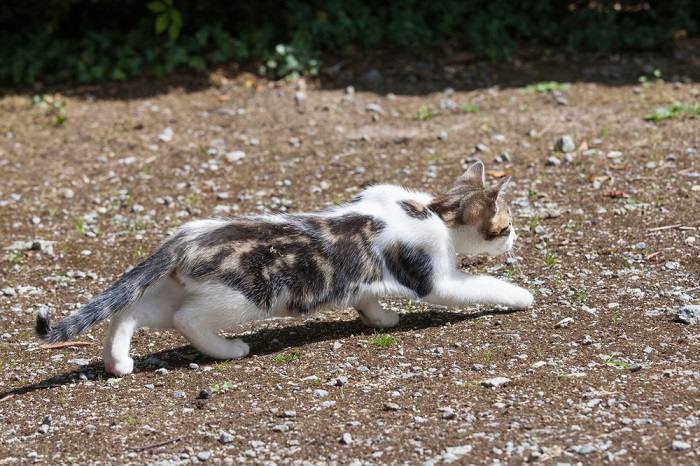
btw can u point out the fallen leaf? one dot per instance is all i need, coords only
(583, 146)
(617, 166)
(497, 173)
(614, 194)
(598, 178)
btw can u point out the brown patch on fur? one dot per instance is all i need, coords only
(415, 209)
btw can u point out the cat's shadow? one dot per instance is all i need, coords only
(265, 341)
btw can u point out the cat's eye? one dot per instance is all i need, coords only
(504, 231)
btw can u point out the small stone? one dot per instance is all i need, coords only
(346, 439)
(672, 265)
(280, 428)
(447, 413)
(204, 455)
(162, 371)
(496, 382)
(235, 156)
(503, 157)
(339, 381)
(442, 136)
(79, 361)
(179, 394)
(289, 413)
(68, 193)
(482, 147)
(204, 394)
(374, 108)
(635, 368)
(320, 393)
(679, 445)
(565, 144)
(194, 365)
(552, 162)
(149, 386)
(564, 322)
(389, 406)
(225, 438)
(166, 135)
(477, 367)
(89, 429)
(337, 345)
(586, 340)
(614, 154)
(689, 315)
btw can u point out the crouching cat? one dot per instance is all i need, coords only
(216, 274)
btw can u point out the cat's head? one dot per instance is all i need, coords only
(478, 216)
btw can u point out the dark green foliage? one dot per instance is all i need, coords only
(96, 40)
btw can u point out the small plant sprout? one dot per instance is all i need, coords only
(616, 363)
(425, 113)
(545, 87)
(383, 341)
(52, 106)
(79, 223)
(14, 258)
(550, 258)
(508, 274)
(615, 318)
(285, 358)
(581, 295)
(469, 108)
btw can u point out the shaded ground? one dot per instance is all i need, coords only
(618, 384)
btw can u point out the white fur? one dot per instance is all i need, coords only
(200, 309)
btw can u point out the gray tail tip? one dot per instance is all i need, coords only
(43, 325)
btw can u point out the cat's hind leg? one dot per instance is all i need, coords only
(208, 310)
(155, 309)
(373, 315)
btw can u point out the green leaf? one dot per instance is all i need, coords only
(173, 31)
(196, 62)
(176, 17)
(156, 6)
(162, 21)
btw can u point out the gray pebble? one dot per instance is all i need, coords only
(389, 406)
(179, 394)
(496, 382)
(225, 438)
(203, 455)
(689, 315)
(679, 445)
(346, 439)
(565, 144)
(552, 162)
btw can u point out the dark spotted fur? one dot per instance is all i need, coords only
(411, 266)
(415, 209)
(317, 261)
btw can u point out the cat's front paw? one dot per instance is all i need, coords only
(379, 319)
(521, 299)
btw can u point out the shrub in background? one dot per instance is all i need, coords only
(97, 40)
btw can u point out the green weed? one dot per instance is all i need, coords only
(616, 363)
(544, 87)
(52, 106)
(469, 108)
(426, 113)
(383, 341)
(285, 358)
(550, 258)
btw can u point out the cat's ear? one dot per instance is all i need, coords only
(474, 175)
(500, 187)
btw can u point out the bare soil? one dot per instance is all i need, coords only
(609, 236)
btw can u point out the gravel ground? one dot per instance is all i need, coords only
(600, 370)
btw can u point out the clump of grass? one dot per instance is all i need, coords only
(551, 258)
(674, 110)
(544, 87)
(79, 223)
(426, 113)
(469, 108)
(615, 318)
(227, 385)
(383, 341)
(14, 258)
(616, 363)
(52, 106)
(285, 358)
(581, 295)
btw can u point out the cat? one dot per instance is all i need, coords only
(216, 274)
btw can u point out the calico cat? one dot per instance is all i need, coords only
(216, 274)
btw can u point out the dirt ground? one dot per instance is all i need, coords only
(609, 242)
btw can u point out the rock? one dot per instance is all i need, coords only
(552, 162)
(496, 382)
(79, 361)
(679, 445)
(149, 386)
(374, 108)
(204, 394)
(584, 449)
(389, 406)
(179, 394)
(280, 428)
(447, 413)
(586, 340)
(225, 438)
(565, 144)
(565, 322)
(234, 156)
(689, 315)
(162, 371)
(442, 136)
(614, 154)
(477, 367)
(338, 381)
(672, 265)
(346, 439)
(503, 157)
(68, 193)
(289, 413)
(204, 455)
(337, 345)
(320, 393)
(482, 148)
(166, 135)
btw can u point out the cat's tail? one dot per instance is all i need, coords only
(125, 291)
